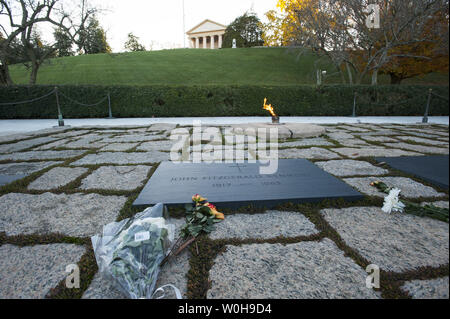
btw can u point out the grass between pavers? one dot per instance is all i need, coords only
(206, 251)
(200, 264)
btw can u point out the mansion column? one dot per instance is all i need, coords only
(220, 41)
(213, 41)
(204, 42)
(197, 42)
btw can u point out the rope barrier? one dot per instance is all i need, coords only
(440, 96)
(83, 104)
(28, 101)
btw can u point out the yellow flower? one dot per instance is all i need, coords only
(214, 211)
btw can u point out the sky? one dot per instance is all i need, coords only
(160, 23)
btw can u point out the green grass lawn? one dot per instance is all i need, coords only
(254, 66)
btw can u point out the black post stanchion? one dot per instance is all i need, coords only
(109, 106)
(60, 117)
(427, 109)
(354, 105)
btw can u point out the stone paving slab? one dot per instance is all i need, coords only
(372, 152)
(133, 138)
(422, 140)
(419, 148)
(308, 153)
(119, 147)
(57, 177)
(428, 289)
(409, 187)
(340, 135)
(306, 270)
(156, 146)
(173, 272)
(381, 139)
(23, 145)
(123, 158)
(440, 204)
(162, 127)
(351, 168)
(21, 170)
(30, 272)
(269, 225)
(306, 142)
(41, 155)
(352, 142)
(395, 242)
(77, 215)
(116, 178)
(57, 144)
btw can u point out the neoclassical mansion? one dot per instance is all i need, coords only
(206, 35)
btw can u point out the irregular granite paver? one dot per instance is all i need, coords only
(296, 271)
(395, 242)
(421, 140)
(409, 187)
(22, 170)
(57, 177)
(309, 153)
(22, 145)
(173, 272)
(306, 142)
(372, 152)
(162, 127)
(419, 148)
(427, 289)
(119, 147)
(351, 168)
(123, 158)
(116, 177)
(78, 215)
(30, 272)
(41, 155)
(156, 146)
(132, 138)
(271, 224)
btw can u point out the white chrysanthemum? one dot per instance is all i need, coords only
(392, 202)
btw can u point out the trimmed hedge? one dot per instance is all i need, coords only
(197, 101)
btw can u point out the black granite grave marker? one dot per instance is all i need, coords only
(238, 185)
(432, 169)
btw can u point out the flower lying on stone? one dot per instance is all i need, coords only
(215, 212)
(392, 202)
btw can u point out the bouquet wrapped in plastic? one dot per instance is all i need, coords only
(130, 252)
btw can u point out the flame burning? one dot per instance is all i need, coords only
(269, 108)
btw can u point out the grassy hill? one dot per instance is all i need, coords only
(255, 66)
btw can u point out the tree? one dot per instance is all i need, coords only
(246, 29)
(427, 56)
(63, 43)
(343, 31)
(23, 18)
(93, 39)
(132, 44)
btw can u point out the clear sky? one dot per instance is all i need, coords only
(161, 22)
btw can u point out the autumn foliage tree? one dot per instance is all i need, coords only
(406, 40)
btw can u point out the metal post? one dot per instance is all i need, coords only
(427, 109)
(60, 117)
(354, 105)
(109, 106)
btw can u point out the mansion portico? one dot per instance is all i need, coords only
(206, 35)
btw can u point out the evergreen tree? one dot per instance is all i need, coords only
(246, 29)
(132, 44)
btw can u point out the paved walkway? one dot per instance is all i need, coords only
(71, 182)
(8, 127)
